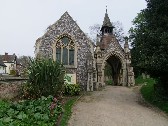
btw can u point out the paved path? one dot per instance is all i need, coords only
(115, 106)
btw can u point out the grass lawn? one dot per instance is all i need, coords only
(67, 111)
(149, 95)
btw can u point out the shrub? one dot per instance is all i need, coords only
(71, 89)
(46, 77)
(13, 72)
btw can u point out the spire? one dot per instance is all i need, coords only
(106, 9)
(106, 21)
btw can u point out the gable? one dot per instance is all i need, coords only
(65, 25)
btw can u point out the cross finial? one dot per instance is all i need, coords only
(106, 9)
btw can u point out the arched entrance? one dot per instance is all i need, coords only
(114, 68)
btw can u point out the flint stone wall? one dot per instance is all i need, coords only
(66, 25)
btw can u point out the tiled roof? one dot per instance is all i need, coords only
(8, 58)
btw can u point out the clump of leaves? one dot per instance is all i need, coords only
(44, 111)
(71, 89)
(46, 77)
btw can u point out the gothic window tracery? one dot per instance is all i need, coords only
(65, 50)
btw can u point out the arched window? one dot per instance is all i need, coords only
(65, 50)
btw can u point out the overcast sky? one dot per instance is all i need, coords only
(23, 21)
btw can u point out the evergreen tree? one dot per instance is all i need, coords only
(150, 41)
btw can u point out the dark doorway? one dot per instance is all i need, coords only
(113, 69)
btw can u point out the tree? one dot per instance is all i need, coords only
(150, 41)
(24, 62)
(118, 31)
(136, 38)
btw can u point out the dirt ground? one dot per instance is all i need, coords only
(115, 106)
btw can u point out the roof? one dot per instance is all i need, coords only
(106, 21)
(2, 64)
(8, 58)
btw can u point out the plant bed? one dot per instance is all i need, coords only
(44, 111)
(41, 112)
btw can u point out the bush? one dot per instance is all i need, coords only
(13, 72)
(71, 89)
(46, 77)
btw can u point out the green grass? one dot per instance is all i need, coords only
(67, 111)
(139, 80)
(149, 94)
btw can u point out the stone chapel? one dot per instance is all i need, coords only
(65, 42)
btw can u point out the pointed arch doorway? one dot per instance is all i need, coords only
(113, 70)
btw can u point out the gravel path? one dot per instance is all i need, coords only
(115, 106)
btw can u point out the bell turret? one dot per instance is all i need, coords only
(107, 27)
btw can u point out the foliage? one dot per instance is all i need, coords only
(67, 111)
(25, 62)
(151, 96)
(46, 77)
(72, 89)
(140, 81)
(3, 104)
(41, 112)
(108, 70)
(150, 41)
(109, 82)
(13, 72)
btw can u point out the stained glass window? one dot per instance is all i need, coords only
(65, 56)
(71, 57)
(65, 51)
(58, 54)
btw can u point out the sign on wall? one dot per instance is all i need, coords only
(70, 78)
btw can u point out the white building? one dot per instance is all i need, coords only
(2, 68)
(9, 61)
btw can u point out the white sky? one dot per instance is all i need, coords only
(23, 21)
